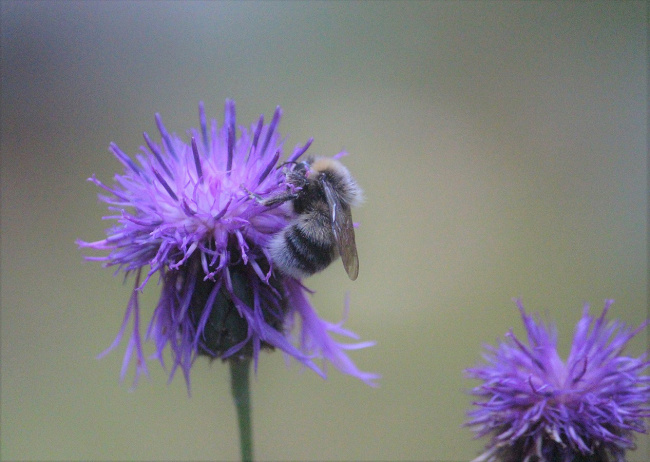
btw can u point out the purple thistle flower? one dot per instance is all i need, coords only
(187, 212)
(538, 408)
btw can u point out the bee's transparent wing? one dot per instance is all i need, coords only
(343, 229)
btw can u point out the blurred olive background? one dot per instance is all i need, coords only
(503, 152)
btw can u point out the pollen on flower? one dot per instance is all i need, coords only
(185, 212)
(536, 407)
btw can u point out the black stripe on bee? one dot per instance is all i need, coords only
(310, 255)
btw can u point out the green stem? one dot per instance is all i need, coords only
(239, 373)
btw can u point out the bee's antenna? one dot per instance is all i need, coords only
(287, 162)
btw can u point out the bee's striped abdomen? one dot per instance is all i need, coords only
(309, 255)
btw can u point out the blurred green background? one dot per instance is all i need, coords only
(503, 152)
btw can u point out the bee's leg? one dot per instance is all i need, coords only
(256, 197)
(279, 199)
(271, 201)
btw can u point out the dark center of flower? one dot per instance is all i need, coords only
(225, 327)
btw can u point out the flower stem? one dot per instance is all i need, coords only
(239, 373)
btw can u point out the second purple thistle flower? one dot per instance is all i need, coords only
(214, 219)
(536, 407)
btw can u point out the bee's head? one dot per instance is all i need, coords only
(296, 173)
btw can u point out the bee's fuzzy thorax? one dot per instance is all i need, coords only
(340, 178)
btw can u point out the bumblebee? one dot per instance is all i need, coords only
(321, 229)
